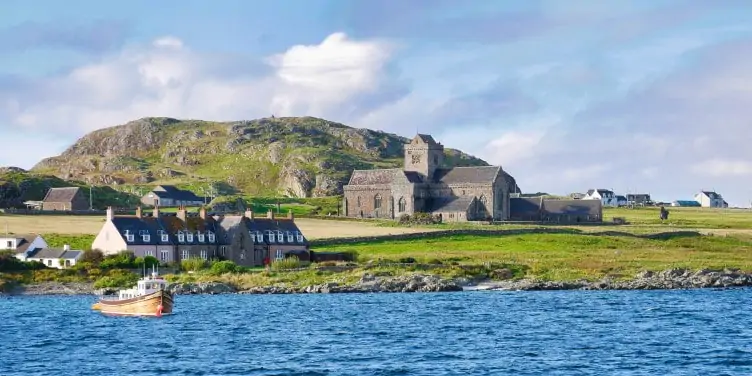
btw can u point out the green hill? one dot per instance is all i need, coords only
(295, 156)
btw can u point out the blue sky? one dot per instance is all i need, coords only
(567, 95)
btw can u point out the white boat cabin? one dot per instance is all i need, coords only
(145, 286)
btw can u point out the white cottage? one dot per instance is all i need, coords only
(607, 197)
(710, 199)
(22, 245)
(56, 258)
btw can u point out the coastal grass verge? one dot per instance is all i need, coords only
(563, 255)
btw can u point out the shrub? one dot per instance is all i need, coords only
(223, 267)
(9, 263)
(286, 263)
(122, 260)
(193, 264)
(92, 256)
(117, 280)
(406, 260)
(419, 219)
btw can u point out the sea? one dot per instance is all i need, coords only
(688, 332)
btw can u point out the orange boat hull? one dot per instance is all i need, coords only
(155, 304)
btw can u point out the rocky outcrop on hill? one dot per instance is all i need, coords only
(647, 280)
(295, 156)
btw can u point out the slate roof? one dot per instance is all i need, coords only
(173, 192)
(467, 175)
(48, 253)
(425, 138)
(451, 204)
(61, 194)
(711, 195)
(227, 224)
(572, 207)
(23, 245)
(686, 203)
(155, 227)
(524, 206)
(621, 198)
(372, 177)
(600, 191)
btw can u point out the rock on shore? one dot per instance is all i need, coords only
(54, 288)
(667, 279)
(210, 288)
(369, 283)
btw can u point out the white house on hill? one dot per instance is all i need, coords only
(607, 197)
(710, 199)
(56, 258)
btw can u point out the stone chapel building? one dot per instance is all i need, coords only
(424, 185)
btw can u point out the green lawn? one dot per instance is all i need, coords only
(685, 217)
(566, 256)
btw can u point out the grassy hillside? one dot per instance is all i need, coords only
(17, 186)
(296, 157)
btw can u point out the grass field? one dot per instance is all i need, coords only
(569, 254)
(90, 225)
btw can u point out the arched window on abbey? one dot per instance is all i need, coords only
(377, 201)
(402, 205)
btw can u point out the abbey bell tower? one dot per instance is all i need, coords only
(424, 155)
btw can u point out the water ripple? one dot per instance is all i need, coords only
(478, 333)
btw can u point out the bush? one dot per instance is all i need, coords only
(286, 263)
(406, 260)
(193, 264)
(223, 267)
(419, 219)
(117, 280)
(122, 260)
(9, 263)
(92, 256)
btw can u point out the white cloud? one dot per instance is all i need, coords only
(166, 78)
(723, 168)
(514, 146)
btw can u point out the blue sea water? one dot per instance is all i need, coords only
(697, 332)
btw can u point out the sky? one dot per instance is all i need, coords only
(566, 95)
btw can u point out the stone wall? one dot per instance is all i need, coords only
(361, 201)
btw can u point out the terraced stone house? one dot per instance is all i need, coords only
(425, 185)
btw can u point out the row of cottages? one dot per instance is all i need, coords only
(244, 239)
(539, 209)
(608, 198)
(424, 185)
(65, 199)
(171, 196)
(33, 247)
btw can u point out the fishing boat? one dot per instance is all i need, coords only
(148, 298)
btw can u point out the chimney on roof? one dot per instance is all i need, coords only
(66, 247)
(248, 213)
(181, 213)
(290, 215)
(139, 212)
(202, 213)
(156, 211)
(270, 214)
(110, 213)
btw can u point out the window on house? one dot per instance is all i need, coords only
(129, 237)
(377, 201)
(186, 254)
(270, 234)
(49, 262)
(9, 244)
(289, 237)
(211, 236)
(189, 237)
(402, 205)
(259, 237)
(201, 237)
(164, 255)
(147, 238)
(149, 253)
(299, 236)
(280, 237)
(253, 236)
(181, 237)
(242, 255)
(204, 255)
(223, 251)
(165, 237)
(279, 255)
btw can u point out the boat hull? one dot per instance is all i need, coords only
(155, 304)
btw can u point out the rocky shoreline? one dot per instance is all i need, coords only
(664, 280)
